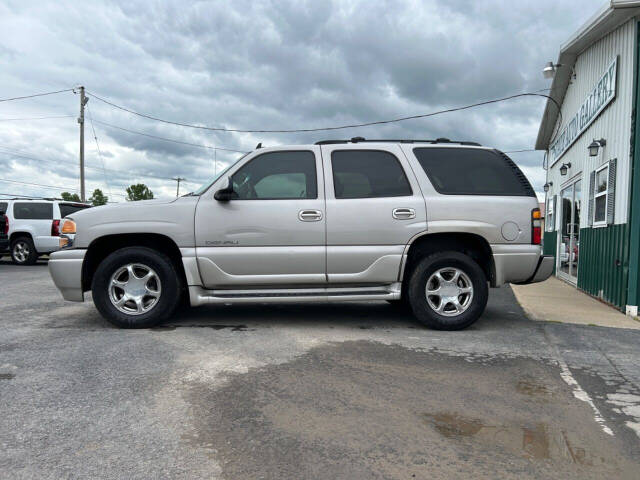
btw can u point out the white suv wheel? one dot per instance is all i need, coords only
(21, 251)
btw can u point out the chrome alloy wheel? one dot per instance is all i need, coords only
(134, 289)
(449, 291)
(21, 251)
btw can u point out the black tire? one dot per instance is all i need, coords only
(23, 251)
(169, 283)
(450, 320)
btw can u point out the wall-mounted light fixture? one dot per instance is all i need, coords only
(547, 185)
(565, 168)
(595, 146)
(549, 70)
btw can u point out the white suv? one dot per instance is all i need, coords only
(34, 226)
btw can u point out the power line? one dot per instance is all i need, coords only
(53, 187)
(35, 95)
(35, 118)
(73, 163)
(16, 195)
(520, 151)
(99, 152)
(355, 125)
(167, 139)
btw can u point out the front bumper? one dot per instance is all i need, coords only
(65, 267)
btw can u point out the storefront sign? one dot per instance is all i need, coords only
(602, 94)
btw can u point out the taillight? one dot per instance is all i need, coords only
(6, 225)
(55, 228)
(536, 226)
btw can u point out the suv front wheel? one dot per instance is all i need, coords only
(448, 291)
(136, 287)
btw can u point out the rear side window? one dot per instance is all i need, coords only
(33, 211)
(68, 208)
(3, 207)
(368, 174)
(466, 171)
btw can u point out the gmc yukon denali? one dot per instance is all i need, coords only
(428, 225)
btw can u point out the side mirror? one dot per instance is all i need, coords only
(225, 193)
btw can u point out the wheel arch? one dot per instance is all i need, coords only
(470, 244)
(20, 233)
(102, 247)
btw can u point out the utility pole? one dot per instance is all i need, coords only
(178, 179)
(83, 102)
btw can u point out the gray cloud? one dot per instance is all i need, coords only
(265, 64)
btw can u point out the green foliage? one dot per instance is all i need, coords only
(98, 198)
(70, 197)
(139, 191)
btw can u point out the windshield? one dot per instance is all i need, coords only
(208, 183)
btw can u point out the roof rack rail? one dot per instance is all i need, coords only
(26, 197)
(403, 140)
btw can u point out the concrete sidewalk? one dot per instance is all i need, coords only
(557, 301)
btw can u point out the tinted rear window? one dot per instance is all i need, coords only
(466, 171)
(69, 208)
(33, 211)
(3, 207)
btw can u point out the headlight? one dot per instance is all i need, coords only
(68, 226)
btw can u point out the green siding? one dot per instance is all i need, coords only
(603, 263)
(634, 201)
(550, 245)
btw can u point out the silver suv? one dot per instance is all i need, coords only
(33, 226)
(427, 225)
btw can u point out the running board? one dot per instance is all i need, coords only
(201, 296)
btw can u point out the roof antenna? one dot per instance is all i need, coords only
(259, 146)
(357, 139)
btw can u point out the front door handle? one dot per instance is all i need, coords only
(404, 213)
(310, 215)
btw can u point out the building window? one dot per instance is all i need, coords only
(549, 218)
(600, 196)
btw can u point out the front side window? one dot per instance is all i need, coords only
(600, 196)
(472, 171)
(368, 174)
(33, 211)
(277, 176)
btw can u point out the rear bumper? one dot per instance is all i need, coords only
(65, 267)
(543, 270)
(4, 244)
(514, 263)
(46, 244)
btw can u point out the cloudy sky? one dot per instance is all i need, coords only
(261, 65)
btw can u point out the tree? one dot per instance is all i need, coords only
(98, 198)
(70, 197)
(139, 191)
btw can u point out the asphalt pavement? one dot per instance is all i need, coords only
(309, 391)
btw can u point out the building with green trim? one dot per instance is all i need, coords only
(590, 133)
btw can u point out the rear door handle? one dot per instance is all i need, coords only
(310, 215)
(404, 213)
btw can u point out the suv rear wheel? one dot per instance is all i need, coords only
(448, 291)
(136, 287)
(23, 251)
